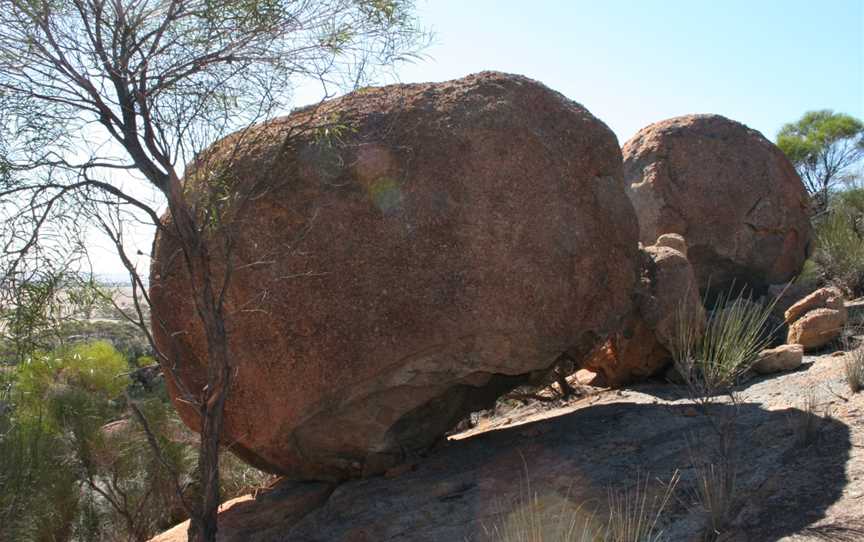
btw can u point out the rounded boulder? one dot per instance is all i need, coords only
(730, 192)
(404, 255)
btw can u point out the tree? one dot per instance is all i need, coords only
(823, 146)
(105, 101)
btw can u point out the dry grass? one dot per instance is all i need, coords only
(853, 367)
(634, 515)
(715, 465)
(715, 495)
(807, 421)
(544, 519)
(635, 512)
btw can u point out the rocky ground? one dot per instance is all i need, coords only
(799, 450)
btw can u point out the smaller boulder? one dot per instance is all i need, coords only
(631, 355)
(667, 293)
(823, 298)
(732, 193)
(817, 319)
(782, 358)
(817, 328)
(672, 291)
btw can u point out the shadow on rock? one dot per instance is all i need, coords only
(783, 486)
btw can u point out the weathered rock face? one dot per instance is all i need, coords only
(817, 319)
(412, 252)
(668, 292)
(729, 191)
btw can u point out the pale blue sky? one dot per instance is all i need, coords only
(762, 62)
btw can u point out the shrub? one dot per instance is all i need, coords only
(75, 466)
(95, 367)
(124, 336)
(38, 494)
(851, 199)
(840, 250)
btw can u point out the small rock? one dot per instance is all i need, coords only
(673, 241)
(823, 298)
(817, 328)
(782, 358)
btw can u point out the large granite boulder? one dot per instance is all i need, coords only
(729, 191)
(411, 253)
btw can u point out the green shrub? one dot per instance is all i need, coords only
(840, 249)
(124, 336)
(93, 367)
(74, 465)
(38, 492)
(850, 200)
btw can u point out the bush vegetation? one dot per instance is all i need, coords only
(839, 252)
(74, 465)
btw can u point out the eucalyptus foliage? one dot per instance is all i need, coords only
(823, 146)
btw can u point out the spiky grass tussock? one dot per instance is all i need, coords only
(715, 495)
(714, 360)
(853, 368)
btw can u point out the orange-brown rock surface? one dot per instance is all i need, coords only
(823, 298)
(415, 251)
(817, 328)
(817, 319)
(667, 293)
(729, 191)
(575, 452)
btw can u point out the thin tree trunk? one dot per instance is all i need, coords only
(203, 523)
(212, 413)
